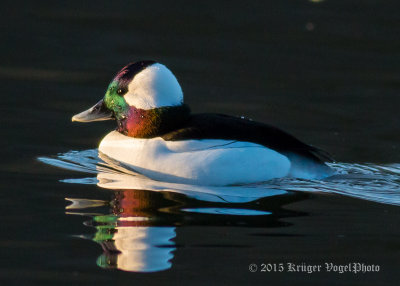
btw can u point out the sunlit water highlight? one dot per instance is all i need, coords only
(378, 183)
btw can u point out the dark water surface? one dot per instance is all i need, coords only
(327, 72)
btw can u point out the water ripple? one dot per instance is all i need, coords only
(378, 183)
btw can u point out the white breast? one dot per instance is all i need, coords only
(202, 162)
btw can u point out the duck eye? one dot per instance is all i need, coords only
(121, 91)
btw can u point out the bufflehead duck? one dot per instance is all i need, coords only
(158, 136)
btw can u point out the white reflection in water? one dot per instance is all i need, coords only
(226, 211)
(143, 249)
(127, 235)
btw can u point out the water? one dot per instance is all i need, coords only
(326, 71)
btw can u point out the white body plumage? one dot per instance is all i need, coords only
(203, 162)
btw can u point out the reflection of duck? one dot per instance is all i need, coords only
(159, 137)
(139, 249)
(138, 234)
(129, 240)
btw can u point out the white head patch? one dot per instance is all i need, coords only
(154, 87)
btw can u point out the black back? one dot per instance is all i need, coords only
(219, 126)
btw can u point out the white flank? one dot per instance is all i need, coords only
(199, 162)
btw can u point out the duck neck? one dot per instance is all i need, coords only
(141, 123)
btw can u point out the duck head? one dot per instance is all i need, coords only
(144, 97)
